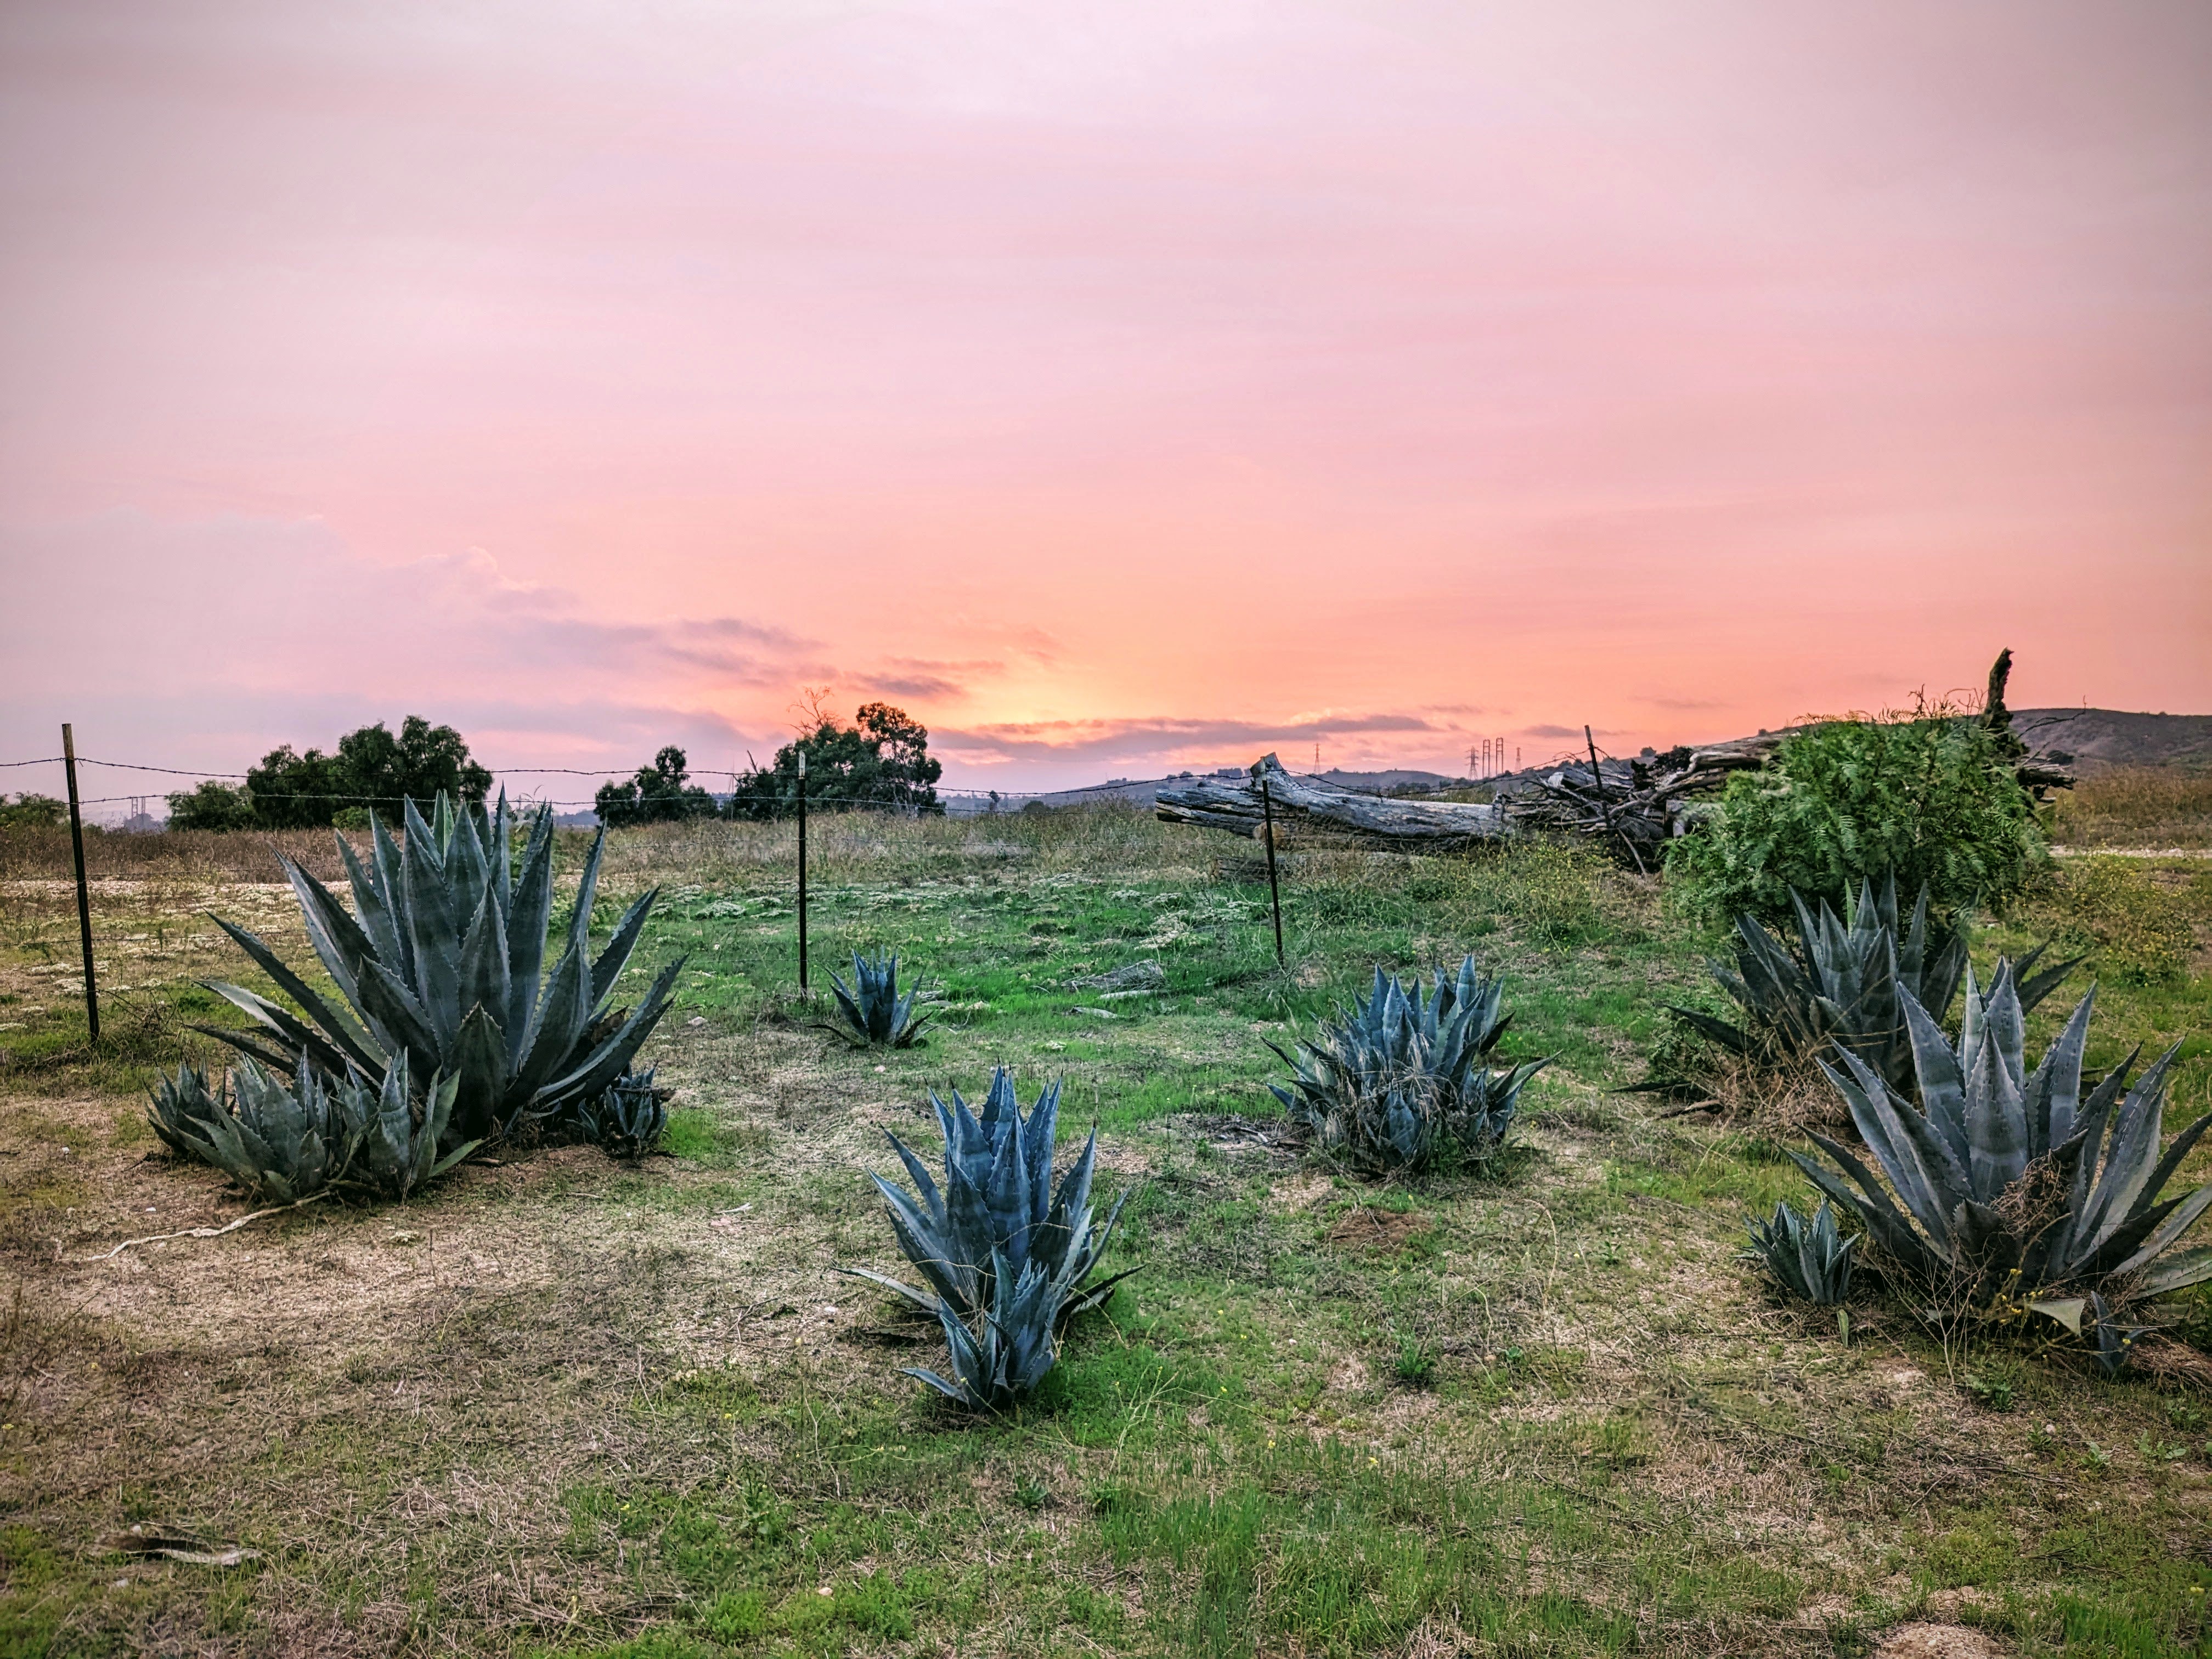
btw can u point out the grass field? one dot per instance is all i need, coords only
(563, 1406)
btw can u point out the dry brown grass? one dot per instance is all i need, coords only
(2136, 806)
(446, 1369)
(841, 846)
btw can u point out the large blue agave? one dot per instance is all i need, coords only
(441, 959)
(1004, 1253)
(2007, 1186)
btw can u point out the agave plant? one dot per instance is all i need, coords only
(178, 1108)
(1840, 981)
(1000, 1359)
(279, 1143)
(441, 958)
(401, 1137)
(1811, 1260)
(629, 1118)
(283, 1142)
(1003, 1252)
(1400, 1080)
(2012, 1184)
(872, 1007)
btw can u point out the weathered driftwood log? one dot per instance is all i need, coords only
(1305, 807)
(1632, 805)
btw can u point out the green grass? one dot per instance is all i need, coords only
(587, 1409)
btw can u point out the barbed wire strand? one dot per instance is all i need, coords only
(827, 801)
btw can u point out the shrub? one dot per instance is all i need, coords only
(662, 793)
(292, 791)
(2140, 933)
(1930, 796)
(31, 811)
(212, 806)
(883, 758)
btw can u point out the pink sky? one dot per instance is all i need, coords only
(1120, 388)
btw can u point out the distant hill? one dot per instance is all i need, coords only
(1383, 782)
(2089, 740)
(2098, 739)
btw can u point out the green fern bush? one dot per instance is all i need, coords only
(1929, 796)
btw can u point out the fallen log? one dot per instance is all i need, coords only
(1633, 806)
(1306, 807)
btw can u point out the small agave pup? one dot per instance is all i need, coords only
(402, 1138)
(1811, 1260)
(1005, 1255)
(2016, 1191)
(1398, 1081)
(874, 1010)
(285, 1143)
(629, 1120)
(441, 960)
(281, 1144)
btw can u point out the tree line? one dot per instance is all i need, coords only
(882, 758)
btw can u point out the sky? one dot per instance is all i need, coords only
(1118, 387)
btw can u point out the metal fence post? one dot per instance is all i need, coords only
(83, 897)
(1275, 891)
(802, 870)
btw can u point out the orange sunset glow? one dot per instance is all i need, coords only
(1118, 388)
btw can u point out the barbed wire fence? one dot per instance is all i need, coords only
(1003, 799)
(962, 803)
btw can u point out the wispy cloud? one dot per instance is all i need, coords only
(1154, 738)
(1565, 731)
(941, 679)
(275, 631)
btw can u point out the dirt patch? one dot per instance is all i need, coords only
(1937, 1642)
(1379, 1230)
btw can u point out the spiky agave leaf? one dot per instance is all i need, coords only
(441, 960)
(998, 1358)
(2006, 1181)
(1811, 1258)
(400, 1135)
(1842, 981)
(1400, 1079)
(997, 1210)
(873, 1011)
(2110, 1339)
